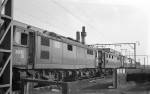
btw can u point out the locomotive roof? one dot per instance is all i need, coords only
(51, 35)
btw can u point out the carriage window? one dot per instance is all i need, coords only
(90, 52)
(96, 54)
(44, 41)
(24, 39)
(112, 56)
(129, 60)
(44, 54)
(69, 47)
(109, 56)
(117, 58)
(106, 55)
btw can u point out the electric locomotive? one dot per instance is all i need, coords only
(46, 55)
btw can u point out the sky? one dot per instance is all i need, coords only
(106, 21)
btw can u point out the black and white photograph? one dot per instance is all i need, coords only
(74, 46)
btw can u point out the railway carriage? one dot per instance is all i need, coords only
(109, 58)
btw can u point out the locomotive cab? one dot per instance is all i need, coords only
(22, 38)
(20, 46)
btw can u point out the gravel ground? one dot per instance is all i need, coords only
(130, 88)
(102, 88)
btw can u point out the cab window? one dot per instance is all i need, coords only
(24, 39)
(20, 37)
(17, 37)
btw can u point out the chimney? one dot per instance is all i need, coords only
(78, 36)
(83, 35)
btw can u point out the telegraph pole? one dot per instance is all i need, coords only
(144, 63)
(135, 54)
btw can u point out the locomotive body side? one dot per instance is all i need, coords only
(50, 56)
(62, 54)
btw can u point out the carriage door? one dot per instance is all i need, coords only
(100, 59)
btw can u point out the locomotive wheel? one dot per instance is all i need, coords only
(56, 76)
(62, 76)
(76, 75)
(67, 76)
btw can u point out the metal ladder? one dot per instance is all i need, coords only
(6, 46)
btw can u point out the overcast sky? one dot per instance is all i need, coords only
(106, 21)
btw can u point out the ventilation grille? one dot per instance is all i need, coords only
(44, 54)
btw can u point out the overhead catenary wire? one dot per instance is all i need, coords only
(75, 16)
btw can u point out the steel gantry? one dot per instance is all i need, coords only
(5, 46)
